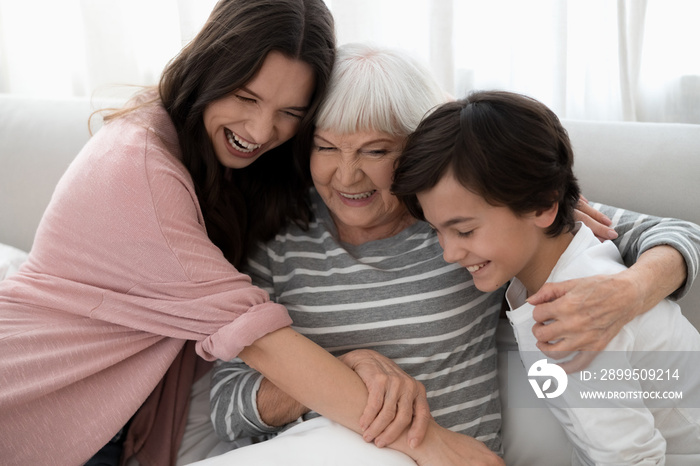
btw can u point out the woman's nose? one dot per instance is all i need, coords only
(348, 172)
(261, 129)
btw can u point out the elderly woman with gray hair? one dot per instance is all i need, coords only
(368, 282)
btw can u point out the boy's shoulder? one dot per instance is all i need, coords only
(587, 256)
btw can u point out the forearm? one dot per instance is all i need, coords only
(310, 375)
(585, 314)
(657, 274)
(444, 447)
(275, 407)
(639, 234)
(318, 380)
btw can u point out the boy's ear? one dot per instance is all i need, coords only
(545, 218)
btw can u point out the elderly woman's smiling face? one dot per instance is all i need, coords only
(353, 174)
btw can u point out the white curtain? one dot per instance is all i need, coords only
(634, 60)
(79, 47)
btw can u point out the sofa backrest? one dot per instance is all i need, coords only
(645, 167)
(38, 140)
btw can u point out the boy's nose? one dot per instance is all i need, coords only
(451, 253)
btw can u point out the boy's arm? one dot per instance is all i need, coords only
(596, 424)
(585, 314)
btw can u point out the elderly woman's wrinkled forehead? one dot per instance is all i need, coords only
(377, 89)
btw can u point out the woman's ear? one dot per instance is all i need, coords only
(545, 218)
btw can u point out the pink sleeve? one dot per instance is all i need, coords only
(134, 248)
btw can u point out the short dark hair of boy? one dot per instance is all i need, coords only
(508, 148)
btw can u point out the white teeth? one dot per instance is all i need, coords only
(358, 196)
(238, 143)
(474, 268)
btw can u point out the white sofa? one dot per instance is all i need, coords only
(646, 167)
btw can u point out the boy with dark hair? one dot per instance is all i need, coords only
(493, 174)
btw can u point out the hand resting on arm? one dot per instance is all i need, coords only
(393, 391)
(585, 314)
(346, 399)
(441, 446)
(395, 400)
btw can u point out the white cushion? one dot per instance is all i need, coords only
(317, 442)
(10, 260)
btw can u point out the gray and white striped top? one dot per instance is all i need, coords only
(398, 296)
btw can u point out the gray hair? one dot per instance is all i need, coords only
(378, 89)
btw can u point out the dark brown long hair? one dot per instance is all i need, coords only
(250, 204)
(508, 148)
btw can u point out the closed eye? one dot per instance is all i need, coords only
(465, 234)
(293, 115)
(245, 99)
(378, 153)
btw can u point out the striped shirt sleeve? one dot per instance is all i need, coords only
(234, 411)
(234, 384)
(639, 233)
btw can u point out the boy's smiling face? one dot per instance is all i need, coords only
(493, 243)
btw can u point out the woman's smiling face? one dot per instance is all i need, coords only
(262, 114)
(353, 173)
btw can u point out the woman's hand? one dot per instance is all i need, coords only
(396, 400)
(443, 447)
(583, 315)
(594, 219)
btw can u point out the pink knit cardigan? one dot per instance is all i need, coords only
(120, 276)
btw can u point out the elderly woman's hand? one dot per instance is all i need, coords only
(594, 219)
(396, 400)
(583, 315)
(586, 314)
(442, 447)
